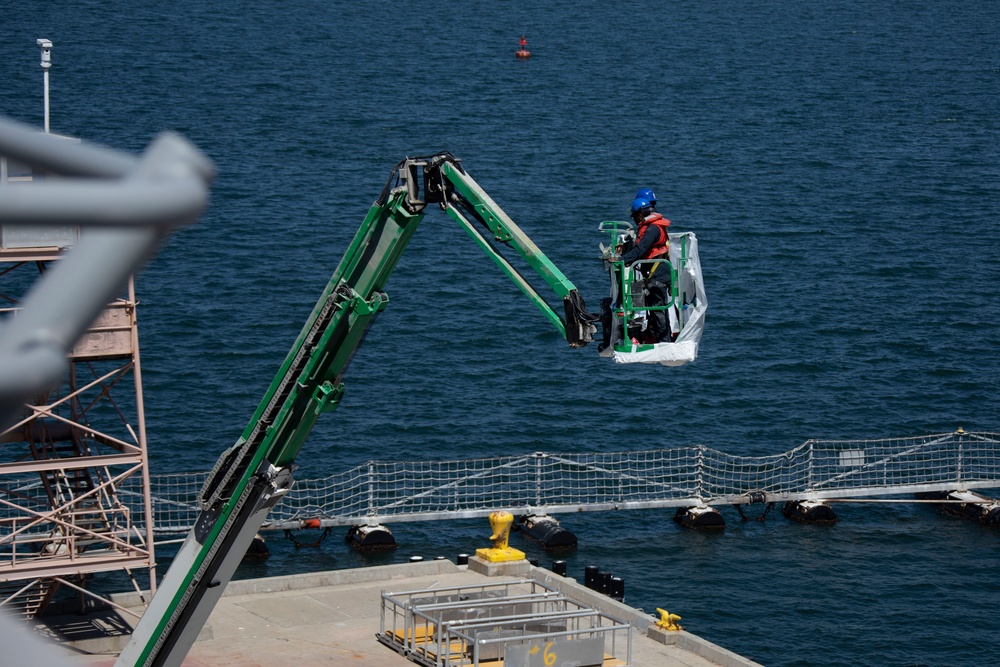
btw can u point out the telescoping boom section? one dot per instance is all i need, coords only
(251, 476)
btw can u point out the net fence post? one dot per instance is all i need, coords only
(371, 489)
(810, 464)
(958, 464)
(538, 478)
(701, 469)
(621, 482)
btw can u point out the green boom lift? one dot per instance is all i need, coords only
(251, 476)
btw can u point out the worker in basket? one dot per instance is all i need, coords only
(652, 231)
(652, 242)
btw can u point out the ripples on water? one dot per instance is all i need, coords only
(839, 163)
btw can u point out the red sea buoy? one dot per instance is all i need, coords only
(523, 52)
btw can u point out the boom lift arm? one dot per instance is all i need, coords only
(252, 476)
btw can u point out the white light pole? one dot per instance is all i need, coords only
(46, 64)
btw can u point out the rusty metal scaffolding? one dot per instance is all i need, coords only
(62, 460)
(77, 220)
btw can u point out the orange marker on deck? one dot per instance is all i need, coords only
(523, 52)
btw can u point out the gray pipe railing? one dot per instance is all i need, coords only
(129, 205)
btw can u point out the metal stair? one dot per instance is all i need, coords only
(69, 488)
(67, 491)
(26, 599)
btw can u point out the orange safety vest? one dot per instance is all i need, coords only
(662, 226)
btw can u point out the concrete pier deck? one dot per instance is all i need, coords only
(332, 618)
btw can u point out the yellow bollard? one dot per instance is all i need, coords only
(668, 621)
(500, 522)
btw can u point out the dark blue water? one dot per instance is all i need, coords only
(840, 163)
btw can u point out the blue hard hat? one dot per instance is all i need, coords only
(640, 203)
(646, 193)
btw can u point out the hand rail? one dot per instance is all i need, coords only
(132, 203)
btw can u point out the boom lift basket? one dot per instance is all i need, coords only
(656, 310)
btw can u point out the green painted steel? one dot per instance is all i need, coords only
(506, 231)
(309, 380)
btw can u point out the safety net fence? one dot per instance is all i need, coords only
(389, 491)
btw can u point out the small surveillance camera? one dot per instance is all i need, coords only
(46, 51)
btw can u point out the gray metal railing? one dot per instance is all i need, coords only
(127, 204)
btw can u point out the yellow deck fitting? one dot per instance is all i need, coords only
(500, 552)
(668, 621)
